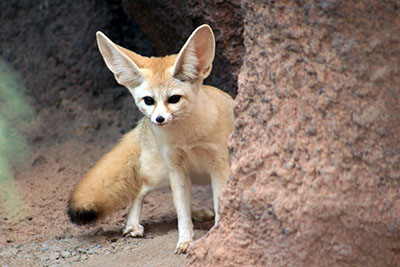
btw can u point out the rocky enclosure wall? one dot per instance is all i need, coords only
(52, 45)
(316, 147)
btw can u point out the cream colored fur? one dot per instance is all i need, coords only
(189, 145)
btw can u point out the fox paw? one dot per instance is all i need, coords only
(182, 247)
(134, 230)
(202, 215)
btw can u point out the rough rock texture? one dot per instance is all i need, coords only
(169, 23)
(316, 147)
(52, 45)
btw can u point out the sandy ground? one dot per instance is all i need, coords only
(65, 142)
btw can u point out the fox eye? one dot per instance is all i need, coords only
(148, 100)
(174, 99)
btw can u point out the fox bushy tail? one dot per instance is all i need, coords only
(109, 185)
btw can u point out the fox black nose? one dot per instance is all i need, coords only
(160, 119)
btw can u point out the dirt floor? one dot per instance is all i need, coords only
(65, 141)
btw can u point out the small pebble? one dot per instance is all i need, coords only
(65, 254)
(44, 247)
(54, 256)
(43, 258)
(81, 250)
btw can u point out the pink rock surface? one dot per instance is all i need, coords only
(316, 146)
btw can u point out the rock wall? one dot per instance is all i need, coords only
(52, 44)
(168, 24)
(316, 147)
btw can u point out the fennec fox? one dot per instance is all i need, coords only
(182, 138)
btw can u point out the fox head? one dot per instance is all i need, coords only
(164, 89)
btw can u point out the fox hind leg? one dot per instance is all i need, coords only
(218, 180)
(133, 226)
(202, 215)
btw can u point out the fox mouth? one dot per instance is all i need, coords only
(161, 124)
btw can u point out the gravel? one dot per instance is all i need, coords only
(62, 252)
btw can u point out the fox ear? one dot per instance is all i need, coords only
(125, 70)
(195, 58)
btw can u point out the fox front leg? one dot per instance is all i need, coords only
(180, 187)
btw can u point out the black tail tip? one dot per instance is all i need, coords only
(82, 216)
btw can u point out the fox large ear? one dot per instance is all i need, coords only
(125, 70)
(195, 58)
